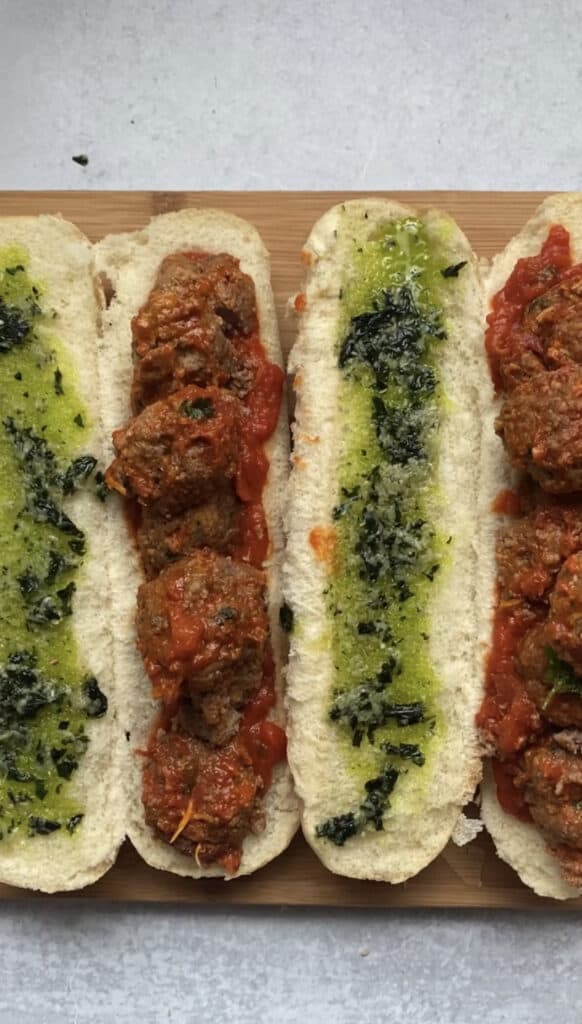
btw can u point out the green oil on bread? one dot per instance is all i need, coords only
(47, 696)
(390, 555)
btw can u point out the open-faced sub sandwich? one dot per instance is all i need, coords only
(193, 396)
(380, 570)
(531, 551)
(62, 801)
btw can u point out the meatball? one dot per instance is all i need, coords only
(563, 709)
(521, 364)
(565, 620)
(531, 549)
(215, 716)
(231, 294)
(570, 864)
(214, 524)
(203, 625)
(203, 801)
(541, 427)
(178, 451)
(195, 351)
(551, 779)
(556, 319)
(219, 285)
(182, 334)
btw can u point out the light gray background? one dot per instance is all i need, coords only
(253, 94)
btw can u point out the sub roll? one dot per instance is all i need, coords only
(197, 416)
(531, 551)
(381, 520)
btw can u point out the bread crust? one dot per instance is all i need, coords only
(413, 835)
(61, 259)
(130, 263)
(518, 843)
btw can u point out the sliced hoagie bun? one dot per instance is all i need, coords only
(382, 656)
(519, 843)
(130, 264)
(61, 799)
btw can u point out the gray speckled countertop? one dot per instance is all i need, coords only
(266, 94)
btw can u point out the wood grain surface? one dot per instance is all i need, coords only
(469, 877)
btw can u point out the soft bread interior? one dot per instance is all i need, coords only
(414, 833)
(61, 260)
(130, 263)
(522, 846)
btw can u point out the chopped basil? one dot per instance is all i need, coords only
(286, 618)
(95, 699)
(198, 409)
(453, 269)
(560, 676)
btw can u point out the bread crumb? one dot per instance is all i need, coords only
(466, 829)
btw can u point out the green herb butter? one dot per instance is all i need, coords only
(389, 553)
(46, 694)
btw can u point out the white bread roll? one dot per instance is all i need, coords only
(423, 814)
(60, 260)
(518, 843)
(130, 263)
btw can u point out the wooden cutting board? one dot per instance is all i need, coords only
(469, 877)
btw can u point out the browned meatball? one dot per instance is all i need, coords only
(199, 354)
(541, 427)
(570, 864)
(203, 625)
(552, 784)
(202, 800)
(563, 709)
(179, 451)
(213, 524)
(181, 335)
(215, 716)
(565, 620)
(218, 285)
(531, 549)
(556, 318)
(521, 366)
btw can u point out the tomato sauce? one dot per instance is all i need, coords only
(265, 741)
(261, 414)
(223, 784)
(508, 718)
(254, 545)
(531, 277)
(507, 715)
(323, 541)
(510, 797)
(507, 503)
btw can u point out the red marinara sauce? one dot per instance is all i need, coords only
(262, 741)
(265, 742)
(261, 414)
(510, 797)
(262, 406)
(531, 277)
(508, 717)
(507, 503)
